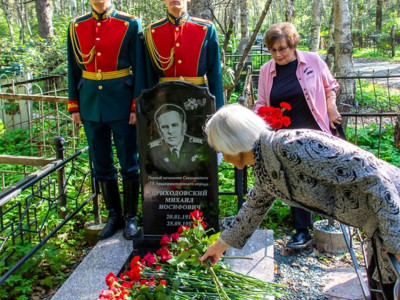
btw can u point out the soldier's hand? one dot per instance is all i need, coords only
(132, 119)
(76, 118)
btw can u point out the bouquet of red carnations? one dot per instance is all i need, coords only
(175, 272)
(274, 115)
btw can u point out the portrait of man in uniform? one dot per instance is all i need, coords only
(174, 152)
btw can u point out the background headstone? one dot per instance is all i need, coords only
(174, 187)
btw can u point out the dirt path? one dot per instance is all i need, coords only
(367, 67)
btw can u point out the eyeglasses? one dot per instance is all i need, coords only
(279, 50)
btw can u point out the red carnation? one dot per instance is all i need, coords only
(149, 259)
(175, 237)
(181, 229)
(110, 279)
(285, 105)
(106, 294)
(134, 261)
(163, 282)
(196, 215)
(165, 240)
(274, 115)
(164, 254)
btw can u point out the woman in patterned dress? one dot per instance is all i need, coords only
(309, 169)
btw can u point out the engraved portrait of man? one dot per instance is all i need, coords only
(175, 151)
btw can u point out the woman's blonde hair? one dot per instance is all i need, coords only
(280, 31)
(234, 129)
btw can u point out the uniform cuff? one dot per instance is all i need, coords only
(73, 106)
(133, 106)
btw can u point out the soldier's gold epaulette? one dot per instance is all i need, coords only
(202, 20)
(122, 13)
(196, 140)
(155, 143)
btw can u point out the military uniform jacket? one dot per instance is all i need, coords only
(325, 175)
(190, 155)
(188, 47)
(106, 42)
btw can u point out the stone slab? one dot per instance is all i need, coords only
(260, 248)
(86, 282)
(342, 284)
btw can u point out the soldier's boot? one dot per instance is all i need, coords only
(131, 196)
(115, 220)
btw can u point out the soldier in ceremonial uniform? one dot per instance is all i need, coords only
(105, 61)
(182, 47)
(175, 152)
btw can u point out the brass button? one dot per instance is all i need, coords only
(204, 27)
(126, 23)
(99, 75)
(179, 61)
(98, 24)
(153, 31)
(100, 87)
(177, 44)
(76, 25)
(98, 53)
(177, 28)
(97, 39)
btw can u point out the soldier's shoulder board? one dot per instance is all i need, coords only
(202, 20)
(155, 143)
(196, 140)
(157, 23)
(81, 17)
(122, 13)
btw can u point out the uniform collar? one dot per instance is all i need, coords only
(104, 15)
(178, 21)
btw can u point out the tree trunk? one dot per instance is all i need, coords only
(378, 17)
(247, 49)
(200, 8)
(55, 7)
(229, 30)
(21, 20)
(343, 52)
(290, 12)
(393, 40)
(316, 26)
(244, 19)
(74, 8)
(398, 8)
(7, 13)
(43, 13)
(330, 53)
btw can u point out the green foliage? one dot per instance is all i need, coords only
(37, 55)
(375, 97)
(368, 139)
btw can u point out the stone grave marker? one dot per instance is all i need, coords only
(177, 167)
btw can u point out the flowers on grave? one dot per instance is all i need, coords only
(274, 115)
(175, 272)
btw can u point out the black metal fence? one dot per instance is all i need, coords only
(34, 209)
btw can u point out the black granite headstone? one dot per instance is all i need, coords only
(178, 169)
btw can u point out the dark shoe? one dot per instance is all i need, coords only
(114, 223)
(131, 196)
(130, 229)
(300, 240)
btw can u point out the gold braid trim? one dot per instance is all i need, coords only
(157, 59)
(75, 47)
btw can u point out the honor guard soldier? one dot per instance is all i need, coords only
(181, 47)
(105, 61)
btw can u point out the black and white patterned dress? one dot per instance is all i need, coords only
(327, 176)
